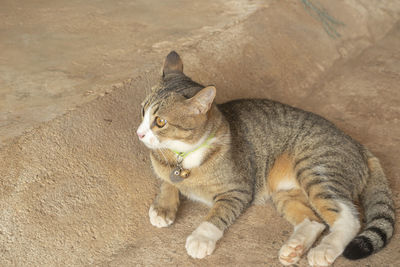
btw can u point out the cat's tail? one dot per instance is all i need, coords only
(379, 214)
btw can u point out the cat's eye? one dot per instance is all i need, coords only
(160, 122)
(142, 112)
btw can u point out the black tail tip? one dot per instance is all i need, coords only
(360, 247)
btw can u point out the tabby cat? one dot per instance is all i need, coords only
(232, 155)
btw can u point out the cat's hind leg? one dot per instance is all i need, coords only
(293, 205)
(331, 187)
(343, 227)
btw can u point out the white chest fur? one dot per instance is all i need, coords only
(194, 159)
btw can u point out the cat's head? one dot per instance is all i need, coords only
(175, 113)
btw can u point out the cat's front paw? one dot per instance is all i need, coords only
(198, 246)
(202, 241)
(161, 217)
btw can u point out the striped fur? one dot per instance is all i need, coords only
(262, 149)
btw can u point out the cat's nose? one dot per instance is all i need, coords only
(141, 136)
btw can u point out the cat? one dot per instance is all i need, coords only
(229, 156)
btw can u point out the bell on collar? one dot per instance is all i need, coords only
(185, 174)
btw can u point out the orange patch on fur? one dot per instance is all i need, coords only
(296, 212)
(282, 175)
(323, 206)
(293, 205)
(373, 164)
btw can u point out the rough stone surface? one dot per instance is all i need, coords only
(76, 190)
(56, 55)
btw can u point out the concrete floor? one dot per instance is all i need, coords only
(56, 55)
(75, 188)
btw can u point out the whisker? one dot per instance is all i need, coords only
(162, 153)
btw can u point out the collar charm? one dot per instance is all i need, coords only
(178, 174)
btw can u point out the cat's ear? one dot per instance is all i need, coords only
(202, 101)
(172, 63)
